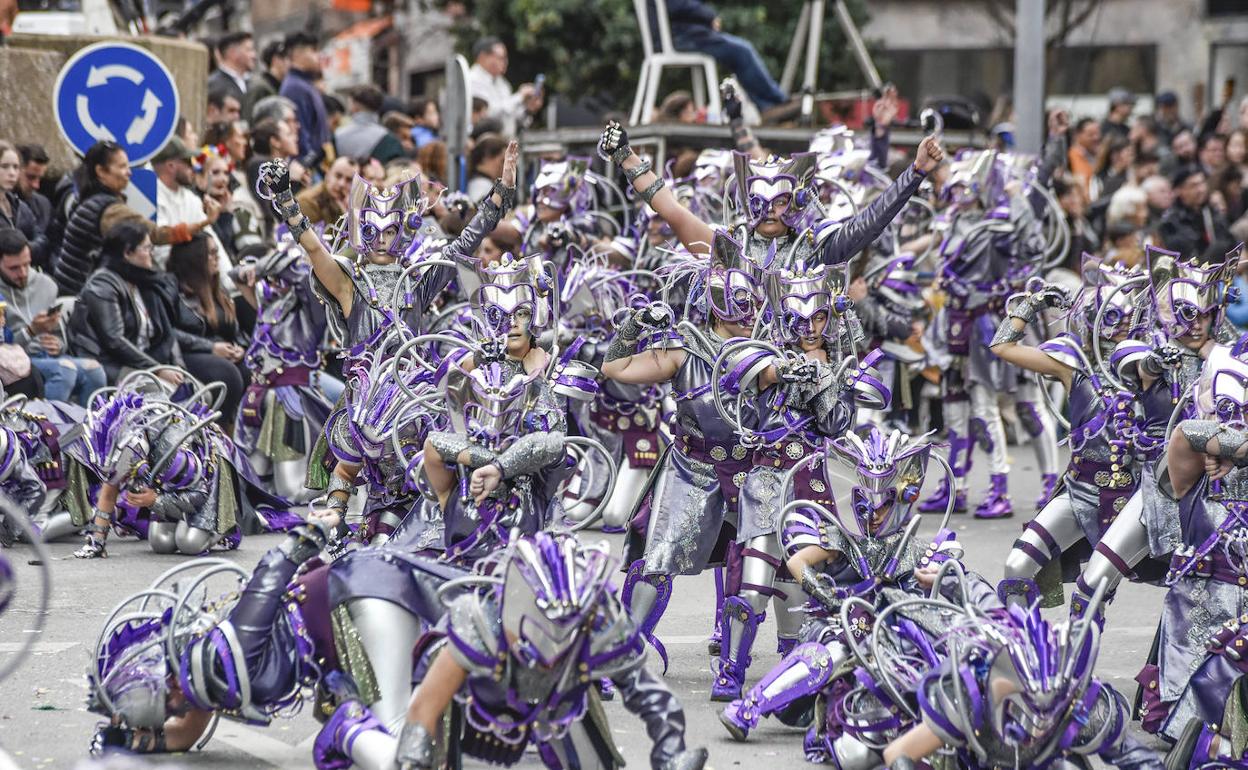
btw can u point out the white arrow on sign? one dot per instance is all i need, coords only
(99, 76)
(141, 126)
(97, 132)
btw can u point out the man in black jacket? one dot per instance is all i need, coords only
(1191, 226)
(695, 27)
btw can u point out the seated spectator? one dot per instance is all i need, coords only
(363, 135)
(432, 158)
(1212, 154)
(196, 266)
(129, 315)
(14, 212)
(222, 108)
(1191, 226)
(176, 197)
(247, 212)
(34, 166)
(400, 127)
(428, 122)
(34, 318)
(678, 107)
(29, 384)
(373, 172)
(485, 165)
(695, 27)
(1160, 197)
(326, 201)
(1228, 186)
(101, 181)
(235, 230)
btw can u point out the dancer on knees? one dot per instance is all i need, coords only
(527, 637)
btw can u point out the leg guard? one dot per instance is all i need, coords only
(985, 409)
(388, 634)
(712, 643)
(802, 673)
(335, 743)
(997, 504)
(959, 455)
(58, 525)
(788, 621)
(1079, 599)
(651, 602)
(849, 753)
(1048, 484)
(162, 536)
(740, 626)
(193, 541)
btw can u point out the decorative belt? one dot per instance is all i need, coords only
(1106, 475)
(781, 454)
(700, 448)
(1213, 565)
(285, 375)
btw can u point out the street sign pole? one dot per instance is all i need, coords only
(1029, 75)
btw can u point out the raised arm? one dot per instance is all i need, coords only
(623, 364)
(275, 176)
(1005, 343)
(839, 242)
(693, 233)
(742, 136)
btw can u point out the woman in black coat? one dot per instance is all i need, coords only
(129, 316)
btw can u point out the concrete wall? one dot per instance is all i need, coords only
(32, 62)
(1178, 28)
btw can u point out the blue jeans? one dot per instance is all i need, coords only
(738, 55)
(331, 386)
(72, 380)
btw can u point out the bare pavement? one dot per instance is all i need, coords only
(44, 722)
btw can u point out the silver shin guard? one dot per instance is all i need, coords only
(624, 498)
(758, 572)
(1126, 538)
(58, 525)
(288, 478)
(644, 597)
(374, 750)
(1058, 519)
(162, 536)
(788, 619)
(576, 749)
(388, 633)
(852, 754)
(193, 541)
(984, 406)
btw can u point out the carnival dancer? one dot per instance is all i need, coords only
(1199, 663)
(45, 465)
(774, 198)
(169, 474)
(1103, 472)
(560, 217)
(173, 658)
(528, 635)
(1016, 691)
(505, 400)
(800, 393)
(624, 418)
(1186, 314)
(286, 405)
(372, 285)
(875, 560)
(992, 238)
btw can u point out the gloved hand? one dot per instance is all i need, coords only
(731, 100)
(1051, 295)
(1167, 356)
(798, 371)
(655, 315)
(493, 349)
(614, 138)
(274, 179)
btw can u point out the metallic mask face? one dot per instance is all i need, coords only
(551, 592)
(780, 189)
(514, 293)
(1222, 391)
(385, 220)
(889, 470)
(1184, 294)
(559, 184)
(733, 296)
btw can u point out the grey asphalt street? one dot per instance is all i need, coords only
(44, 723)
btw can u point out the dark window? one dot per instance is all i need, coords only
(1226, 8)
(980, 75)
